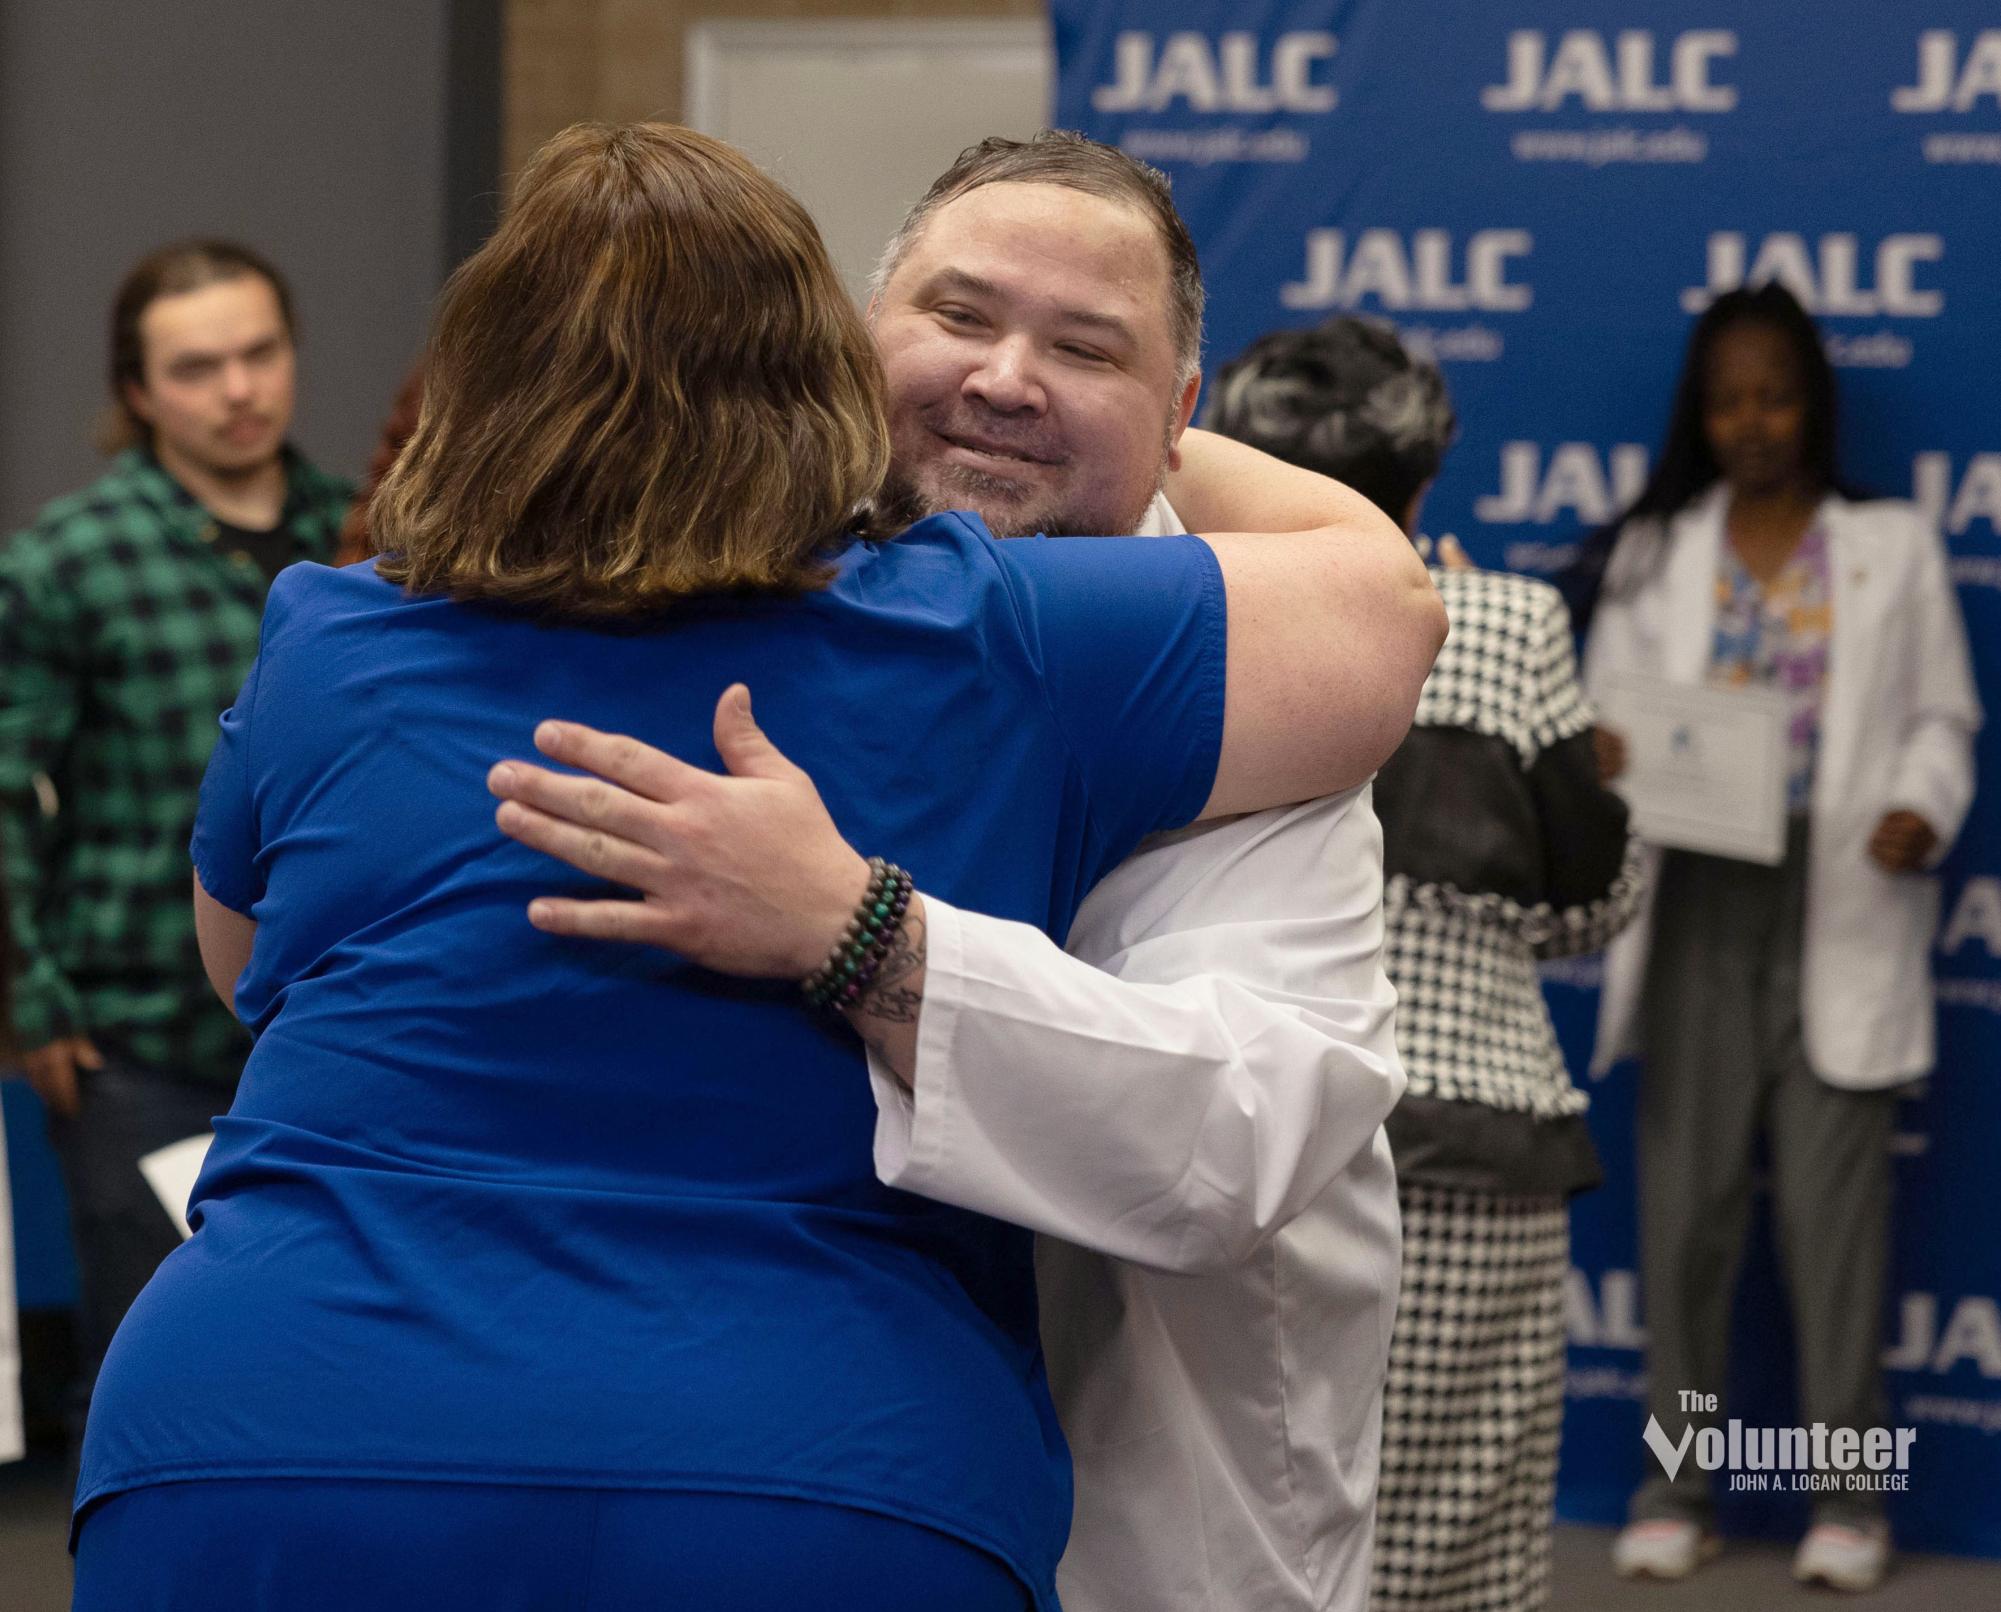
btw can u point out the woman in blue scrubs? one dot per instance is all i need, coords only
(531, 1274)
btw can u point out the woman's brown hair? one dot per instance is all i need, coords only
(648, 384)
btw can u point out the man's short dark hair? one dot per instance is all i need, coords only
(1346, 399)
(1060, 157)
(169, 271)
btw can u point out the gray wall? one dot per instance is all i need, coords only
(315, 130)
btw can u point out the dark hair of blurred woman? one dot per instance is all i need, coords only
(1688, 465)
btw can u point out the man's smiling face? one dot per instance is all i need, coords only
(1032, 370)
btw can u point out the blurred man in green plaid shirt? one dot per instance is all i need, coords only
(129, 616)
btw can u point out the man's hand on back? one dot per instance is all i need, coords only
(742, 872)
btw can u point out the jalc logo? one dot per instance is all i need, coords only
(1971, 1335)
(1621, 77)
(1955, 505)
(1976, 915)
(1424, 273)
(1945, 83)
(1578, 482)
(1229, 74)
(1608, 1319)
(1827, 276)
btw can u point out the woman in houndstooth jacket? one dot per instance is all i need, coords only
(1501, 848)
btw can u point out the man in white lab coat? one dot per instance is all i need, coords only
(1189, 1104)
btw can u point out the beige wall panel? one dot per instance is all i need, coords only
(572, 59)
(549, 68)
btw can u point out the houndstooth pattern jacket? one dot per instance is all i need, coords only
(1501, 849)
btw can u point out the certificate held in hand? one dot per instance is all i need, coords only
(1705, 767)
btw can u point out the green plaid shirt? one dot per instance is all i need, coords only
(123, 636)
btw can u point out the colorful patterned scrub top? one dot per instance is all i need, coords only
(1775, 635)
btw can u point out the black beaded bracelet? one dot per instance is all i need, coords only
(858, 955)
(856, 959)
(871, 964)
(840, 956)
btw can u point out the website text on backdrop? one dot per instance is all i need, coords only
(465, 1149)
(1501, 849)
(1792, 1001)
(1194, 1122)
(128, 617)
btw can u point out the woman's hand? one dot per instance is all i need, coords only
(741, 872)
(1902, 843)
(1610, 748)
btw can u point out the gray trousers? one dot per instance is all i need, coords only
(1725, 1062)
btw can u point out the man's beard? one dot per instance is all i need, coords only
(996, 500)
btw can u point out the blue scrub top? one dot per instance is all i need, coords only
(497, 1206)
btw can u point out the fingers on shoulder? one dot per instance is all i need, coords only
(618, 757)
(637, 922)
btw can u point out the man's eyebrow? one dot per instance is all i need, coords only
(960, 280)
(1110, 323)
(974, 286)
(215, 355)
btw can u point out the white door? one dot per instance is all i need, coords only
(857, 118)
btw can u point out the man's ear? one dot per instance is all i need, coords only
(136, 400)
(1184, 411)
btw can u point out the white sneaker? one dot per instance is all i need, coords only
(1662, 1547)
(1844, 1557)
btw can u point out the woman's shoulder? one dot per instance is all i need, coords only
(312, 580)
(310, 594)
(941, 572)
(955, 556)
(926, 548)
(1895, 520)
(1643, 546)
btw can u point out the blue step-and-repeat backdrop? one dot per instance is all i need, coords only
(1544, 194)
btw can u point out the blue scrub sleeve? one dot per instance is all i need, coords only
(225, 845)
(1130, 634)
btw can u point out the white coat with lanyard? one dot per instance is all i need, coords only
(1897, 719)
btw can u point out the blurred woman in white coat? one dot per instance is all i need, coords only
(1789, 1001)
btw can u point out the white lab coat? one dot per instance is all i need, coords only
(1206, 1105)
(1897, 721)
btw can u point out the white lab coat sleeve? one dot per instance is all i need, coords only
(1934, 775)
(1229, 1056)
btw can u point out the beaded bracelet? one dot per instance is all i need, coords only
(865, 943)
(858, 955)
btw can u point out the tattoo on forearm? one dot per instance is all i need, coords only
(889, 994)
(893, 1001)
(896, 1005)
